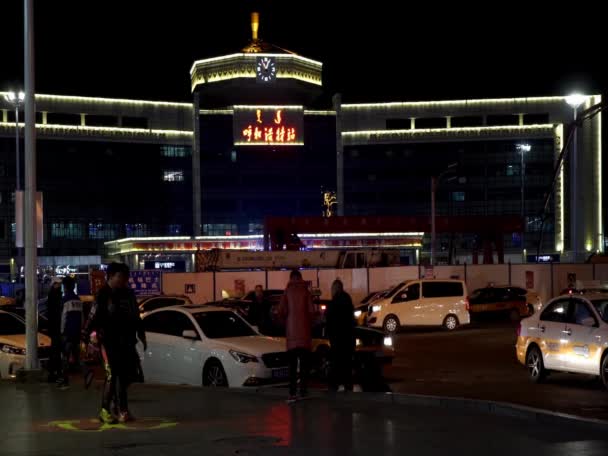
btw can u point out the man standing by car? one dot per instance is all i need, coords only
(53, 305)
(71, 328)
(115, 318)
(297, 310)
(340, 330)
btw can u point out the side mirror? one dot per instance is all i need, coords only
(588, 321)
(190, 334)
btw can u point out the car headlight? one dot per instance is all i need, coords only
(376, 308)
(388, 341)
(357, 313)
(243, 357)
(12, 350)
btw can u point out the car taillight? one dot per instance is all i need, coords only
(467, 304)
(323, 307)
(518, 331)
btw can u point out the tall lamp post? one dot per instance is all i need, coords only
(574, 100)
(16, 100)
(523, 148)
(434, 184)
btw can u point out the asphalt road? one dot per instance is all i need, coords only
(479, 362)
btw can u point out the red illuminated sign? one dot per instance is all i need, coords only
(271, 126)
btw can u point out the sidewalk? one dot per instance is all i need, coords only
(41, 420)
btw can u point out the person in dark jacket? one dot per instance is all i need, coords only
(259, 310)
(340, 324)
(53, 305)
(297, 309)
(71, 327)
(115, 318)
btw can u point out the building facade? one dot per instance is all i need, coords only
(260, 138)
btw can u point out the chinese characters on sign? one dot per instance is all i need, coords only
(145, 283)
(272, 133)
(268, 125)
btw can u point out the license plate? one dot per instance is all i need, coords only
(280, 373)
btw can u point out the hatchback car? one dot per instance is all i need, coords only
(570, 334)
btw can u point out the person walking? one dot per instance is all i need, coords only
(53, 306)
(115, 319)
(340, 330)
(71, 327)
(297, 310)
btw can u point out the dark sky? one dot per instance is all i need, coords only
(140, 49)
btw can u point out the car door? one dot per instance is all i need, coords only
(440, 298)
(581, 352)
(186, 351)
(151, 359)
(159, 360)
(550, 332)
(406, 305)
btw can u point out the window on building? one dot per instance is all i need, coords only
(507, 119)
(95, 120)
(67, 230)
(60, 118)
(431, 122)
(220, 229)
(512, 170)
(137, 229)
(536, 119)
(233, 156)
(104, 231)
(176, 175)
(256, 228)
(134, 122)
(175, 229)
(458, 196)
(398, 124)
(175, 151)
(2, 230)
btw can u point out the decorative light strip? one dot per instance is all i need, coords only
(216, 111)
(444, 130)
(364, 247)
(309, 112)
(443, 103)
(145, 239)
(599, 189)
(559, 229)
(241, 143)
(253, 56)
(288, 107)
(106, 101)
(361, 235)
(283, 74)
(88, 128)
(244, 237)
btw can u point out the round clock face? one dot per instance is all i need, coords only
(266, 69)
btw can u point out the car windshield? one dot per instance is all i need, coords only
(395, 290)
(10, 325)
(601, 305)
(220, 325)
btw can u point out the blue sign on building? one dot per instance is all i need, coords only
(145, 283)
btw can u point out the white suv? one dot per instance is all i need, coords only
(422, 303)
(570, 334)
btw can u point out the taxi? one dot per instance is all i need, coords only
(570, 334)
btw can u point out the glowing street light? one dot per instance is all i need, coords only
(576, 99)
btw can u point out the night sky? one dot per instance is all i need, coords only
(144, 50)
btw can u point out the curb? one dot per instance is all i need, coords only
(502, 409)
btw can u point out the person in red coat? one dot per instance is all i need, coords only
(298, 311)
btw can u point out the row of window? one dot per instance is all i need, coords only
(175, 151)
(466, 121)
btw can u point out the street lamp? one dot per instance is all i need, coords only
(16, 100)
(574, 100)
(523, 148)
(434, 184)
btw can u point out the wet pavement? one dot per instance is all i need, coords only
(478, 362)
(40, 420)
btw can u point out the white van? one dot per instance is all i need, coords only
(422, 303)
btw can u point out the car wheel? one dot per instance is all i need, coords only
(451, 322)
(530, 310)
(214, 374)
(323, 365)
(604, 370)
(514, 315)
(391, 324)
(536, 367)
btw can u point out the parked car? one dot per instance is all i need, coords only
(422, 303)
(12, 345)
(570, 334)
(499, 300)
(151, 303)
(209, 346)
